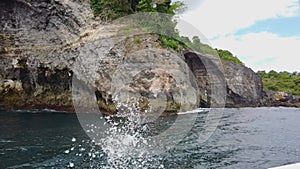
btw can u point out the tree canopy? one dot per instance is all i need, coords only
(113, 9)
(281, 81)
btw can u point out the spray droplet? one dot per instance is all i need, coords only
(73, 139)
(71, 165)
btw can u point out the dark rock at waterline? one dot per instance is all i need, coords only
(286, 99)
(44, 44)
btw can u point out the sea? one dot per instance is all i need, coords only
(242, 138)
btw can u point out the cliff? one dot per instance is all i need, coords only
(46, 45)
(29, 77)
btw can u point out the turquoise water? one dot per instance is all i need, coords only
(253, 138)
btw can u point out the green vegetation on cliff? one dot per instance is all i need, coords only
(112, 9)
(281, 81)
(197, 45)
(226, 55)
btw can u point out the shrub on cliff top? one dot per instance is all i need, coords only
(226, 55)
(281, 81)
(113, 9)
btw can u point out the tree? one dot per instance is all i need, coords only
(113, 9)
(273, 74)
(282, 81)
(262, 73)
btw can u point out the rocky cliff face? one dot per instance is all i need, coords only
(45, 45)
(30, 30)
(244, 87)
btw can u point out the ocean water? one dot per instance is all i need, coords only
(248, 138)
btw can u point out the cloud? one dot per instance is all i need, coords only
(192, 4)
(219, 20)
(216, 18)
(263, 50)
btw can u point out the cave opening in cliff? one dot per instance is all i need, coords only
(199, 70)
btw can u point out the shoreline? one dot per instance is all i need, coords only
(56, 111)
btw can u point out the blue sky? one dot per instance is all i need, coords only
(264, 34)
(282, 26)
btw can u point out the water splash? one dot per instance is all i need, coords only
(124, 144)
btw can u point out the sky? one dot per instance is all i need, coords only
(264, 34)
